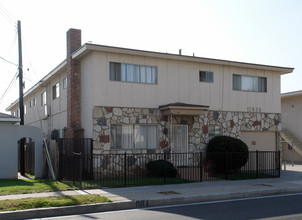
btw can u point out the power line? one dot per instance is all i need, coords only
(9, 87)
(28, 60)
(32, 68)
(8, 16)
(8, 61)
(28, 79)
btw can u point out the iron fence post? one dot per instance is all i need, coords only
(279, 165)
(60, 146)
(81, 169)
(165, 174)
(91, 159)
(257, 163)
(125, 168)
(74, 168)
(226, 165)
(200, 166)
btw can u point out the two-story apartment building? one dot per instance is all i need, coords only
(144, 101)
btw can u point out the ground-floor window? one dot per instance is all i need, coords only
(215, 131)
(133, 136)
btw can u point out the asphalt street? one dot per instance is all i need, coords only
(268, 207)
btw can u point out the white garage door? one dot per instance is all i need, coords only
(262, 141)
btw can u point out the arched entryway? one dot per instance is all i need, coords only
(10, 135)
(26, 157)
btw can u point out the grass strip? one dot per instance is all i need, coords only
(8, 187)
(53, 201)
(25, 186)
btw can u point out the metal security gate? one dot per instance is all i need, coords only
(180, 144)
(75, 154)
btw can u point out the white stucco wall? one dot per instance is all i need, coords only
(290, 155)
(35, 116)
(178, 81)
(9, 136)
(291, 108)
(260, 140)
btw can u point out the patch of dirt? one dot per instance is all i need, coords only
(169, 193)
(262, 184)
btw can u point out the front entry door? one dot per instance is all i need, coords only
(180, 138)
(180, 144)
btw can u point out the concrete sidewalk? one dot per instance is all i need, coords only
(148, 196)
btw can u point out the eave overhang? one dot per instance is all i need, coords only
(86, 48)
(291, 94)
(182, 109)
(44, 80)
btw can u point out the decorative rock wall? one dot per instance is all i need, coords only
(198, 126)
(231, 123)
(103, 117)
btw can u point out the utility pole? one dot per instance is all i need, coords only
(21, 106)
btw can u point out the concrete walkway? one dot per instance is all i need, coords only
(148, 196)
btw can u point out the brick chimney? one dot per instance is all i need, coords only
(74, 129)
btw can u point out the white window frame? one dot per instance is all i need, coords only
(130, 141)
(43, 98)
(249, 83)
(32, 102)
(134, 73)
(208, 76)
(65, 83)
(56, 91)
(214, 130)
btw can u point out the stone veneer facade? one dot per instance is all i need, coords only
(230, 122)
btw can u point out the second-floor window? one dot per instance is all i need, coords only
(65, 83)
(43, 98)
(133, 73)
(249, 83)
(206, 76)
(32, 102)
(56, 91)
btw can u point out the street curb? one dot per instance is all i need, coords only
(152, 202)
(66, 210)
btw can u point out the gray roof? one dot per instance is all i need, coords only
(180, 104)
(290, 94)
(87, 48)
(9, 118)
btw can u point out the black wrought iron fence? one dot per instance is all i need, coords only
(75, 158)
(166, 168)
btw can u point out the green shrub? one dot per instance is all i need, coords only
(161, 168)
(236, 156)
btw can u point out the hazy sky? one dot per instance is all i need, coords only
(255, 31)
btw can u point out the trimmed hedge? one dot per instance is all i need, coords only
(161, 168)
(222, 150)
